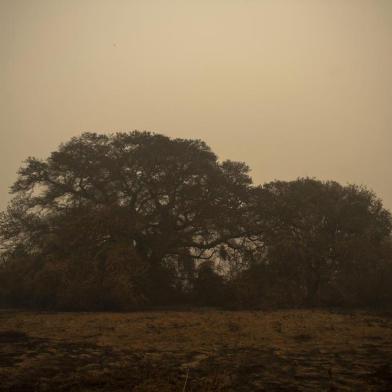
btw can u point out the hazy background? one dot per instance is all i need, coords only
(292, 87)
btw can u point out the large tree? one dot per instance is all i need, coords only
(168, 201)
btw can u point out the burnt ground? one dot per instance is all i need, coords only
(196, 351)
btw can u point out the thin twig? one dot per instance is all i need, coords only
(186, 380)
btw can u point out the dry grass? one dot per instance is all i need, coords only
(220, 351)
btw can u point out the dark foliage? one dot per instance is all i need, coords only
(137, 219)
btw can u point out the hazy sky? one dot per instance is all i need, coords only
(292, 87)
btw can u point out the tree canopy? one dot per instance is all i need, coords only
(138, 219)
(318, 235)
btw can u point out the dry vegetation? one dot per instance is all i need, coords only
(200, 350)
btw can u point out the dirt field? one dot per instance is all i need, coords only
(196, 351)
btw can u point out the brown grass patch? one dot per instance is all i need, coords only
(220, 351)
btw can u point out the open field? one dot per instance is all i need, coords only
(204, 350)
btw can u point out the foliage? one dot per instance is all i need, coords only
(136, 219)
(169, 202)
(324, 243)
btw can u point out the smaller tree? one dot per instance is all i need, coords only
(323, 240)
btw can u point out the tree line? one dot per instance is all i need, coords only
(135, 220)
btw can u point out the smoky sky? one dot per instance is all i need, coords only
(292, 87)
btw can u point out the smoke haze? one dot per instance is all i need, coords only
(293, 88)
